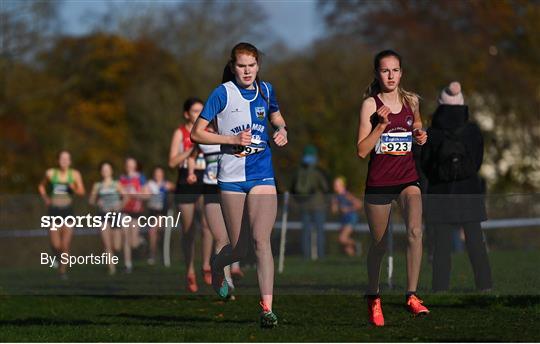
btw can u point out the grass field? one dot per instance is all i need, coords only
(315, 301)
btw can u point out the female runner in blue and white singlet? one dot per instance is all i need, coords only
(241, 108)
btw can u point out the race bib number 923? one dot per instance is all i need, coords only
(394, 143)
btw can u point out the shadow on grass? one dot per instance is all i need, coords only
(521, 301)
(457, 301)
(49, 322)
(148, 319)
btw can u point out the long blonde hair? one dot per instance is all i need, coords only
(405, 97)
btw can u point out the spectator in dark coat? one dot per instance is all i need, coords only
(310, 188)
(455, 190)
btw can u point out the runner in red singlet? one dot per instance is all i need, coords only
(390, 124)
(188, 195)
(132, 182)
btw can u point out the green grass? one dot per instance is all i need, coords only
(315, 301)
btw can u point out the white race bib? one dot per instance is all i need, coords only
(60, 189)
(399, 143)
(255, 147)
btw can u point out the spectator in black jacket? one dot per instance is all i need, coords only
(451, 160)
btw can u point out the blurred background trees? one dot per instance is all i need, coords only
(118, 89)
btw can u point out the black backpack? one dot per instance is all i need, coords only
(305, 181)
(454, 161)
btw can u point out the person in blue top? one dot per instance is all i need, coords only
(241, 108)
(348, 205)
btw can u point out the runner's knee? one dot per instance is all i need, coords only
(261, 242)
(414, 234)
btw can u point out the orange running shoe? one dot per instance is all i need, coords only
(191, 283)
(415, 305)
(375, 311)
(207, 275)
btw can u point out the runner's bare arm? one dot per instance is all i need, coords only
(170, 186)
(192, 178)
(146, 192)
(78, 185)
(420, 136)
(175, 156)
(93, 194)
(367, 135)
(280, 135)
(125, 196)
(416, 111)
(120, 189)
(199, 134)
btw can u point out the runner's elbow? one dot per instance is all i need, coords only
(362, 153)
(195, 137)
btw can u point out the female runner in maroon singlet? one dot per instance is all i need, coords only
(390, 123)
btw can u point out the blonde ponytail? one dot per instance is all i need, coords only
(410, 99)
